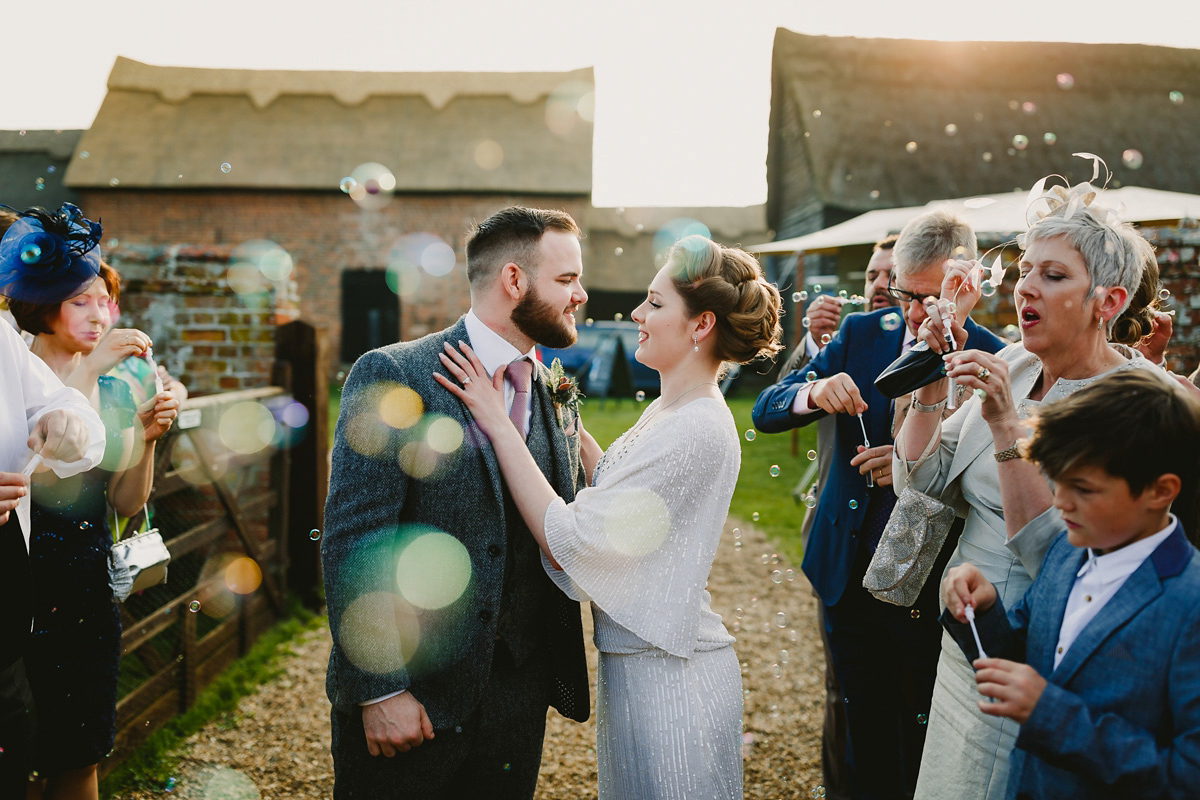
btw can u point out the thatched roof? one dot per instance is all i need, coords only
(308, 130)
(851, 107)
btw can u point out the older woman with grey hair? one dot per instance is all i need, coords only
(1079, 271)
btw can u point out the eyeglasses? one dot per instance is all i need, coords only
(906, 296)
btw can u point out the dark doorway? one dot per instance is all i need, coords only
(370, 312)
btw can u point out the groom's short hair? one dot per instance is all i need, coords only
(512, 234)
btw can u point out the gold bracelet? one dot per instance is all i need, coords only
(1007, 455)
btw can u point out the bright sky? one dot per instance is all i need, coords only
(682, 86)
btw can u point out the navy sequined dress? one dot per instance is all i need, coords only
(75, 650)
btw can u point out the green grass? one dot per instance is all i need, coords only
(151, 764)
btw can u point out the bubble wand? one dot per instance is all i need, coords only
(867, 444)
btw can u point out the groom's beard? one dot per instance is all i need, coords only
(544, 324)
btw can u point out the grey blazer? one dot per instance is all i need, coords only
(401, 627)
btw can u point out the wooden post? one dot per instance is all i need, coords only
(305, 349)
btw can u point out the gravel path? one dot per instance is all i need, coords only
(277, 744)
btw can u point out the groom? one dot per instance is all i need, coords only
(449, 640)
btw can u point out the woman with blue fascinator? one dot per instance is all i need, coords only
(59, 290)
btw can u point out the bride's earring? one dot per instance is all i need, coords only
(696, 343)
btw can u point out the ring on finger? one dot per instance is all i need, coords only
(466, 381)
(983, 374)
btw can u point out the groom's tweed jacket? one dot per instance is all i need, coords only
(382, 641)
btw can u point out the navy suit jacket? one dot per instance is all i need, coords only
(862, 349)
(1120, 716)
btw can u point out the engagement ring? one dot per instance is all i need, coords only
(466, 381)
(983, 374)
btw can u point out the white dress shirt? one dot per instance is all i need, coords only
(495, 352)
(1098, 580)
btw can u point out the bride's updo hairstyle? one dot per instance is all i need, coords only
(1114, 252)
(729, 283)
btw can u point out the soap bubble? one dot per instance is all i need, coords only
(347, 185)
(817, 288)
(1132, 158)
(776, 576)
(911, 147)
(1049, 138)
(843, 294)
(314, 534)
(766, 559)
(737, 533)
(789, 574)
(987, 289)
(433, 570)
(754, 516)
(781, 619)
(853, 504)
(915, 613)
(373, 185)
(810, 501)
(803, 295)
(751, 434)
(922, 719)
(818, 792)
(1164, 294)
(987, 157)
(1029, 107)
(810, 376)
(774, 470)
(812, 455)
(891, 322)
(777, 670)
(806, 322)
(826, 338)
(951, 129)
(226, 167)
(796, 298)
(1065, 80)
(1176, 98)
(1020, 141)
(640, 396)
(618, 316)
(783, 656)
(194, 606)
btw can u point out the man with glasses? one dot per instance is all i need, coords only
(884, 656)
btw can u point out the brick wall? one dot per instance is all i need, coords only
(205, 333)
(325, 233)
(1179, 266)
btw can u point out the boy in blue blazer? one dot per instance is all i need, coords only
(1100, 660)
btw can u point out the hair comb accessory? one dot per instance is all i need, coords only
(47, 257)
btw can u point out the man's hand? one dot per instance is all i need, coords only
(13, 486)
(824, 316)
(60, 436)
(876, 461)
(1016, 688)
(836, 394)
(395, 725)
(965, 585)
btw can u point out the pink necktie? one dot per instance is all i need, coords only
(518, 374)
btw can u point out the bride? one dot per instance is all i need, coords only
(640, 540)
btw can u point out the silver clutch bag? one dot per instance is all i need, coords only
(908, 546)
(137, 563)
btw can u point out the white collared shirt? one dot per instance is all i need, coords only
(1098, 580)
(495, 352)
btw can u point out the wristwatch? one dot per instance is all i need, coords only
(1007, 455)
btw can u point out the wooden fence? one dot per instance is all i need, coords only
(238, 489)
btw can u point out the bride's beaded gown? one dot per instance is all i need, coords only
(639, 544)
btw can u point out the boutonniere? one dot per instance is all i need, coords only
(564, 391)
